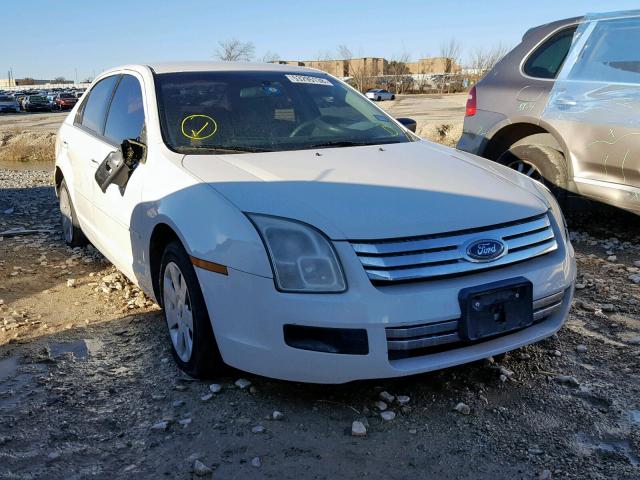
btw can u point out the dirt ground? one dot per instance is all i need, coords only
(88, 388)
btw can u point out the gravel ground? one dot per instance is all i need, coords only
(88, 388)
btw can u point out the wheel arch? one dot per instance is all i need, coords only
(521, 133)
(58, 176)
(161, 235)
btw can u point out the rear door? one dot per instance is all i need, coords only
(85, 149)
(114, 208)
(595, 107)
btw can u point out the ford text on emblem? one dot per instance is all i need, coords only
(485, 250)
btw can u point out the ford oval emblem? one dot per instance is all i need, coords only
(485, 250)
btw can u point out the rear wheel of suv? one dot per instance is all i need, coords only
(542, 163)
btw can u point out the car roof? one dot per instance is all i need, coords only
(546, 28)
(173, 67)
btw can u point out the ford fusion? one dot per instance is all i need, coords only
(290, 228)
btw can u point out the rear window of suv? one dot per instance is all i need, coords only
(546, 60)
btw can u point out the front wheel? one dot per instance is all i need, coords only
(393, 97)
(193, 343)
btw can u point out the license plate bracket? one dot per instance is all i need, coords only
(495, 308)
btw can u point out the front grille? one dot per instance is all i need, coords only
(438, 255)
(417, 340)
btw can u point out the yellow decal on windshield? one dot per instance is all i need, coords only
(198, 127)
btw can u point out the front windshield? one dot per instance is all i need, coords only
(229, 112)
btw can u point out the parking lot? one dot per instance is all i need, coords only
(88, 386)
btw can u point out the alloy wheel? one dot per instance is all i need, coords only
(527, 169)
(178, 311)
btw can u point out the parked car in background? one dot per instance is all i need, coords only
(291, 228)
(36, 103)
(8, 104)
(64, 101)
(379, 94)
(562, 107)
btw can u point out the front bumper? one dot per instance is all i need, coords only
(248, 316)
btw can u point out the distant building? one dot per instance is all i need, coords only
(434, 65)
(376, 66)
(369, 66)
(25, 82)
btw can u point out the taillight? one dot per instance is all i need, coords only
(471, 103)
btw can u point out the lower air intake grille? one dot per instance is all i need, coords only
(418, 340)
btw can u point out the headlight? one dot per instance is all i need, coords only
(302, 258)
(552, 203)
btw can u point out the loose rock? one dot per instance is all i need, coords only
(388, 415)
(200, 469)
(243, 383)
(358, 429)
(386, 397)
(462, 408)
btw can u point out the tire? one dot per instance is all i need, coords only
(379, 99)
(542, 163)
(71, 231)
(202, 358)
(393, 97)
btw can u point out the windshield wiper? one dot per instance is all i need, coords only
(226, 149)
(346, 143)
(338, 143)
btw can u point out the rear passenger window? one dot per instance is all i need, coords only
(546, 60)
(611, 53)
(95, 107)
(126, 115)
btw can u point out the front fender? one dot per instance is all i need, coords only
(209, 226)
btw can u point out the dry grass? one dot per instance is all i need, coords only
(447, 134)
(19, 146)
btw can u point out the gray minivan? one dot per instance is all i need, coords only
(562, 107)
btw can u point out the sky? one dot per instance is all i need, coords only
(79, 38)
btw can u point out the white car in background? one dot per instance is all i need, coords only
(379, 94)
(290, 228)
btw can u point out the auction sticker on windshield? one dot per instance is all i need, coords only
(198, 127)
(309, 79)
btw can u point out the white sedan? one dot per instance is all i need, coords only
(290, 228)
(379, 94)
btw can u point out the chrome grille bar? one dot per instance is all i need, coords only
(443, 254)
(415, 337)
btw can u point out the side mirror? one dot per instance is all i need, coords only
(118, 166)
(410, 123)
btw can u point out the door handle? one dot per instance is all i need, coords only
(93, 160)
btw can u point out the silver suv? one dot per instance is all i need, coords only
(562, 107)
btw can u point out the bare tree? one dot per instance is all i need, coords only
(234, 51)
(483, 60)
(398, 72)
(270, 57)
(59, 79)
(361, 72)
(450, 52)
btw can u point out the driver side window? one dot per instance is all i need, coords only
(125, 120)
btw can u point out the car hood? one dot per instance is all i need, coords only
(372, 192)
